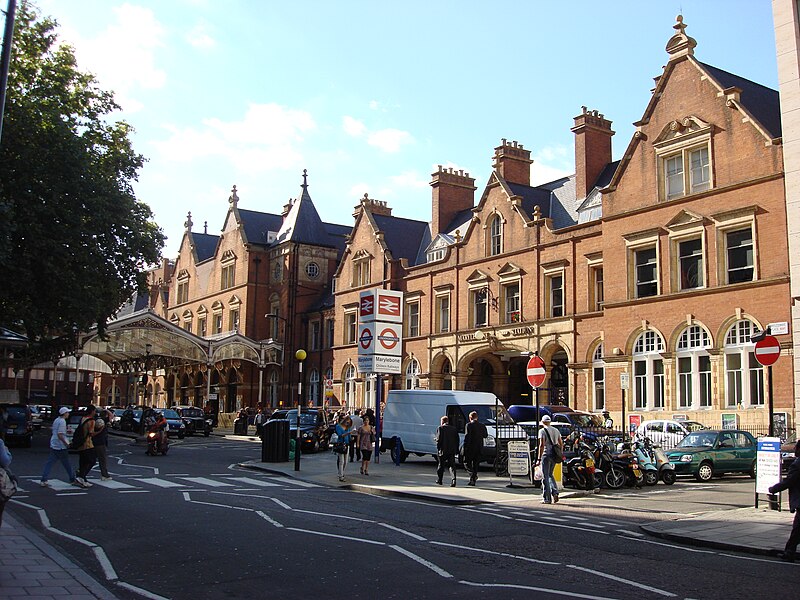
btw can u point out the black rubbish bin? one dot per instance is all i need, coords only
(275, 441)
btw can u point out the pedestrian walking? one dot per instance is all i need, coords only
(5, 463)
(344, 430)
(447, 449)
(366, 443)
(549, 438)
(355, 451)
(791, 483)
(473, 446)
(87, 455)
(59, 450)
(260, 419)
(100, 441)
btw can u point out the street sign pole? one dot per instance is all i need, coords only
(770, 401)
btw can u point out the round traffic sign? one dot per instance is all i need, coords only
(768, 350)
(536, 371)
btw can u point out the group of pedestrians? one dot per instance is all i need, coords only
(447, 446)
(92, 435)
(357, 434)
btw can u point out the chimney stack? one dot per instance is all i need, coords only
(376, 207)
(453, 191)
(513, 162)
(592, 149)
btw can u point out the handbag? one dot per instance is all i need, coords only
(8, 484)
(339, 448)
(558, 453)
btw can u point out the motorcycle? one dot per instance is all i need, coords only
(666, 470)
(646, 462)
(612, 475)
(580, 470)
(157, 443)
(627, 462)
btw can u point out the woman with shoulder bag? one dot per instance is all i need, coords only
(344, 429)
(366, 443)
(551, 451)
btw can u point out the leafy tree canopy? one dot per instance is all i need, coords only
(74, 240)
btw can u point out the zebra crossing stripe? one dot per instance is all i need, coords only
(206, 481)
(160, 482)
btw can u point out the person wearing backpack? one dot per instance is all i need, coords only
(551, 451)
(59, 449)
(87, 455)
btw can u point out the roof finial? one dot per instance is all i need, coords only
(233, 199)
(305, 179)
(205, 227)
(680, 44)
(188, 224)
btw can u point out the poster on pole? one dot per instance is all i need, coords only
(768, 464)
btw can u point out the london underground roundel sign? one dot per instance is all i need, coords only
(536, 371)
(768, 350)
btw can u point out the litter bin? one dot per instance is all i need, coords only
(275, 441)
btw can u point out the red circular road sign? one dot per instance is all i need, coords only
(536, 371)
(768, 350)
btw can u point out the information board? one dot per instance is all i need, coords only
(768, 464)
(519, 458)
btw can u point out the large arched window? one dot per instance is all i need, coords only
(744, 376)
(495, 236)
(412, 374)
(350, 386)
(648, 372)
(313, 387)
(694, 368)
(599, 379)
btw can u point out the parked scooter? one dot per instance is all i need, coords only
(646, 462)
(626, 461)
(579, 470)
(613, 476)
(666, 470)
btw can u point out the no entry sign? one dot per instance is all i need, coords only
(536, 371)
(768, 350)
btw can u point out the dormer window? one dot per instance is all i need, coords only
(228, 270)
(361, 264)
(183, 287)
(684, 158)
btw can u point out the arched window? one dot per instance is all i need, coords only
(496, 236)
(412, 374)
(313, 387)
(273, 388)
(599, 378)
(648, 371)
(350, 386)
(694, 368)
(447, 375)
(744, 376)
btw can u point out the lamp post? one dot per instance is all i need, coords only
(300, 355)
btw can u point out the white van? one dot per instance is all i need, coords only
(414, 415)
(667, 432)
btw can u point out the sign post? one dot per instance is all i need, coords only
(624, 384)
(767, 351)
(768, 469)
(536, 373)
(519, 460)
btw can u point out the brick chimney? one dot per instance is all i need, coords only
(592, 149)
(376, 207)
(453, 191)
(513, 162)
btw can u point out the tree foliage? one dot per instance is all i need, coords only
(74, 240)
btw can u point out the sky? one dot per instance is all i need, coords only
(370, 96)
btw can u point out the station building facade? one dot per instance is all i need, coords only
(649, 273)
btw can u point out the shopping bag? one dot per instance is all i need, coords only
(538, 475)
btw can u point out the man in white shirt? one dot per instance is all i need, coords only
(549, 437)
(59, 449)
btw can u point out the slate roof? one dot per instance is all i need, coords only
(205, 245)
(303, 225)
(532, 196)
(134, 304)
(460, 222)
(257, 224)
(762, 102)
(405, 238)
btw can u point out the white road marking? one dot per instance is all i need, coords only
(403, 531)
(621, 580)
(76, 493)
(140, 591)
(113, 485)
(268, 518)
(766, 560)
(485, 551)
(685, 548)
(534, 589)
(208, 482)
(438, 570)
(161, 482)
(60, 486)
(634, 533)
(562, 526)
(333, 535)
(134, 491)
(251, 481)
(281, 504)
(295, 482)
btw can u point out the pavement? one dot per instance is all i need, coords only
(31, 567)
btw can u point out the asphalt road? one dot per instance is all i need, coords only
(194, 525)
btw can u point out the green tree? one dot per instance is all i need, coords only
(74, 240)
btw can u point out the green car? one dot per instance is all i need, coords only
(714, 452)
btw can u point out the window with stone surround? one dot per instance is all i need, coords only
(598, 379)
(693, 368)
(443, 313)
(744, 376)
(683, 152)
(495, 235)
(412, 319)
(648, 371)
(350, 327)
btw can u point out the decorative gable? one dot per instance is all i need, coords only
(687, 128)
(685, 219)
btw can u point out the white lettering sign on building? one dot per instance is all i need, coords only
(380, 331)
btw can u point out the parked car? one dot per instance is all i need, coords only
(131, 420)
(526, 412)
(175, 423)
(116, 417)
(315, 430)
(668, 433)
(195, 420)
(711, 452)
(787, 455)
(278, 414)
(37, 418)
(19, 424)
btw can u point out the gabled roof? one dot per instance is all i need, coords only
(532, 196)
(405, 238)
(205, 245)
(760, 101)
(258, 224)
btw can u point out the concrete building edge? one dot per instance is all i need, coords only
(690, 541)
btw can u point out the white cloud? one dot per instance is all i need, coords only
(551, 154)
(408, 179)
(123, 56)
(267, 138)
(353, 127)
(357, 191)
(551, 163)
(199, 37)
(389, 140)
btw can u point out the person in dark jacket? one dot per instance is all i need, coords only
(473, 446)
(447, 448)
(791, 483)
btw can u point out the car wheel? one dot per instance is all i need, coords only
(403, 455)
(615, 478)
(705, 472)
(752, 471)
(669, 477)
(650, 477)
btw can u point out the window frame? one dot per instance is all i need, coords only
(729, 222)
(412, 318)
(598, 384)
(747, 376)
(682, 139)
(350, 326)
(648, 385)
(693, 389)
(495, 235)
(442, 313)
(512, 301)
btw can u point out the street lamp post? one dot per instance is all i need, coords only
(300, 355)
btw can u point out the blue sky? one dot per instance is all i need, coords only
(371, 96)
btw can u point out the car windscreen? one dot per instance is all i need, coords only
(693, 425)
(17, 411)
(488, 414)
(587, 420)
(305, 419)
(698, 439)
(191, 412)
(169, 414)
